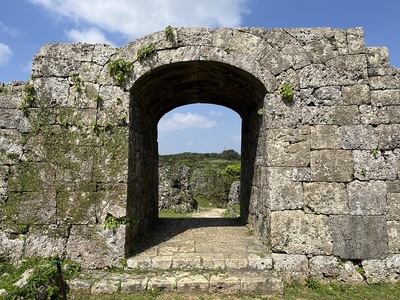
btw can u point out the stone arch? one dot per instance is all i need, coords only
(165, 88)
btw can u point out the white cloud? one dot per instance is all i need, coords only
(180, 121)
(7, 29)
(135, 18)
(90, 36)
(216, 113)
(5, 54)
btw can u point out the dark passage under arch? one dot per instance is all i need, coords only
(165, 88)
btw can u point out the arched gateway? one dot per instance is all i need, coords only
(319, 169)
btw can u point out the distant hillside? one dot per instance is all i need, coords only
(204, 177)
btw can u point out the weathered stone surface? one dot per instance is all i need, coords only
(389, 136)
(356, 94)
(11, 246)
(367, 198)
(291, 267)
(333, 150)
(359, 137)
(359, 237)
(375, 165)
(331, 165)
(295, 232)
(326, 137)
(326, 198)
(393, 236)
(385, 97)
(284, 193)
(96, 247)
(104, 286)
(324, 267)
(287, 148)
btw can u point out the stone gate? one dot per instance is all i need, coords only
(320, 171)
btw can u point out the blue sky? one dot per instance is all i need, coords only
(26, 25)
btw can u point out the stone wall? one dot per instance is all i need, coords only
(320, 174)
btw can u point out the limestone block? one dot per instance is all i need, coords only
(349, 274)
(102, 53)
(393, 186)
(394, 113)
(96, 247)
(288, 147)
(224, 283)
(31, 208)
(283, 192)
(278, 114)
(260, 262)
(195, 283)
(320, 51)
(104, 287)
(295, 54)
(295, 232)
(222, 37)
(378, 57)
(324, 267)
(291, 267)
(375, 270)
(331, 115)
(394, 236)
(279, 38)
(275, 62)
(133, 284)
(359, 137)
(356, 94)
(374, 115)
(249, 44)
(393, 267)
(11, 246)
(355, 40)
(325, 137)
(331, 165)
(389, 136)
(385, 82)
(14, 119)
(359, 237)
(301, 174)
(46, 241)
(194, 36)
(393, 202)
(326, 197)
(375, 165)
(367, 198)
(79, 207)
(385, 97)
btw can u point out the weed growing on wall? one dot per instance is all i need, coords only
(286, 92)
(119, 70)
(146, 52)
(78, 82)
(169, 34)
(113, 223)
(28, 100)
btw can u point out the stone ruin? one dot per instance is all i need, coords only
(320, 172)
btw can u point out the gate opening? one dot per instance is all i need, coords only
(170, 86)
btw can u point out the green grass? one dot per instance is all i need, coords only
(170, 214)
(295, 291)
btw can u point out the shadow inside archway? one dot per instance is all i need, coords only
(168, 228)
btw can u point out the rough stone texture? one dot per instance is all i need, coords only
(328, 198)
(331, 153)
(295, 232)
(291, 267)
(359, 237)
(331, 165)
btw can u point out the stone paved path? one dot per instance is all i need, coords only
(205, 253)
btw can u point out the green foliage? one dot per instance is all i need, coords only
(363, 172)
(112, 223)
(233, 170)
(78, 82)
(119, 70)
(98, 98)
(286, 92)
(3, 90)
(232, 211)
(230, 155)
(260, 111)
(146, 52)
(108, 126)
(12, 156)
(44, 277)
(29, 99)
(169, 33)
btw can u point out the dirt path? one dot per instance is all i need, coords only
(210, 213)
